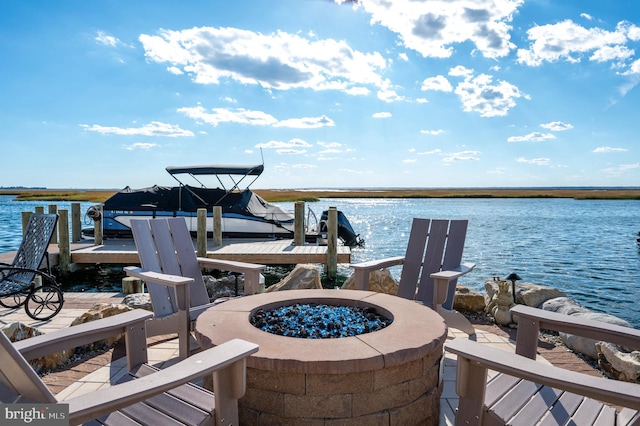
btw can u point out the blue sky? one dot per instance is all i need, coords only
(408, 93)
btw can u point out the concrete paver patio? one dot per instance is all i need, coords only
(104, 369)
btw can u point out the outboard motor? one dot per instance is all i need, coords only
(345, 230)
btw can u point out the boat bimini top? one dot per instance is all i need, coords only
(216, 170)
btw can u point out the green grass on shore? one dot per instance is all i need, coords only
(289, 195)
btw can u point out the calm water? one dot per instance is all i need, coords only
(588, 249)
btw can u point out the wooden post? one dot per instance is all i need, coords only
(25, 221)
(217, 226)
(332, 243)
(76, 224)
(97, 228)
(53, 209)
(64, 256)
(40, 209)
(298, 230)
(202, 233)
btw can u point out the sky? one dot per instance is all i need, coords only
(327, 94)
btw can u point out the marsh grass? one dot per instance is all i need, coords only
(291, 195)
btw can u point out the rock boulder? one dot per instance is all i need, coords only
(18, 331)
(380, 281)
(303, 276)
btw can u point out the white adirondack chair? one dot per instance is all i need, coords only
(528, 392)
(173, 276)
(432, 264)
(155, 397)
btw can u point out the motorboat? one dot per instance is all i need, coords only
(244, 213)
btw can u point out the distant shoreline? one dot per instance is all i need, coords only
(283, 195)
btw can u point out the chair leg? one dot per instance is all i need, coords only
(455, 319)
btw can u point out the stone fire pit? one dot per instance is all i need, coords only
(390, 376)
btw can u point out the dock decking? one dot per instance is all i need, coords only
(271, 252)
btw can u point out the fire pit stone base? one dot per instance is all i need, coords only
(388, 377)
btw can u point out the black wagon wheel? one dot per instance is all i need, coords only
(44, 302)
(14, 300)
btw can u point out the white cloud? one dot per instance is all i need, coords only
(175, 70)
(535, 161)
(568, 41)
(462, 156)
(432, 132)
(278, 60)
(433, 152)
(140, 145)
(381, 115)
(586, 16)
(478, 94)
(606, 149)
(433, 27)
(107, 40)
(409, 160)
(532, 137)
(253, 118)
(439, 83)
(460, 71)
(557, 126)
(422, 100)
(618, 170)
(154, 128)
(306, 122)
(611, 53)
(281, 146)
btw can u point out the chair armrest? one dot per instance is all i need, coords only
(442, 279)
(80, 334)
(452, 274)
(229, 265)
(251, 271)
(131, 323)
(531, 320)
(475, 358)
(361, 270)
(95, 404)
(157, 277)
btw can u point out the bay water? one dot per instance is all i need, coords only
(587, 248)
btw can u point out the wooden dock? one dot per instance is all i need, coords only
(271, 252)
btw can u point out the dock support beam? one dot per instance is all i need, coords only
(298, 230)
(53, 209)
(332, 243)
(64, 254)
(202, 233)
(217, 226)
(76, 224)
(97, 228)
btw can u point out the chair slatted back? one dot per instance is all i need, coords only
(434, 245)
(168, 248)
(19, 378)
(34, 246)
(189, 265)
(163, 298)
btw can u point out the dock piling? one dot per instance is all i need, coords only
(53, 209)
(202, 232)
(332, 243)
(64, 252)
(298, 230)
(76, 224)
(217, 226)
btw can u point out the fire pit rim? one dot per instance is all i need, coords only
(415, 331)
